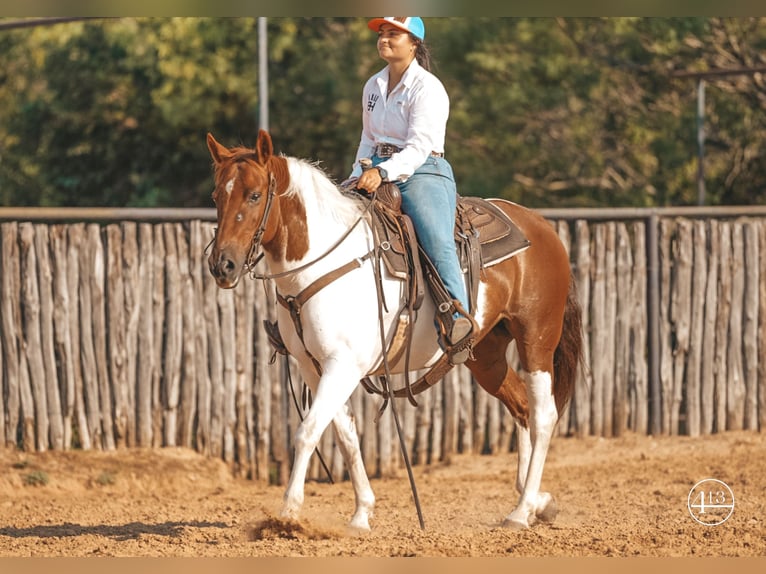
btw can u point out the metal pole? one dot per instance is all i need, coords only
(700, 142)
(263, 75)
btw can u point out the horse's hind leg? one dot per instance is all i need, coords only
(525, 398)
(533, 450)
(348, 442)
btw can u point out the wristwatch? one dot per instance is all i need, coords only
(383, 173)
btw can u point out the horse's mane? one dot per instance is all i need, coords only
(320, 193)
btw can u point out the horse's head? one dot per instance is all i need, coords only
(244, 195)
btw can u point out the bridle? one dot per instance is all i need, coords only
(253, 257)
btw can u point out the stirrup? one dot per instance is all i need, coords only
(461, 336)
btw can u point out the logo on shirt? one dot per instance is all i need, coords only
(372, 99)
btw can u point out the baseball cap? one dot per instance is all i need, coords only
(412, 24)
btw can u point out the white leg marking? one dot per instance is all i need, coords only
(525, 452)
(542, 420)
(348, 442)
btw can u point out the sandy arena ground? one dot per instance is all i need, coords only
(617, 497)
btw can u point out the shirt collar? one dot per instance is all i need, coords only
(412, 71)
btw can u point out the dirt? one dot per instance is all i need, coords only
(617, 497)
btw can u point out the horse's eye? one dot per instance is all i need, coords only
(254, 197)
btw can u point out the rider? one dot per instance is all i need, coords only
(404, 117)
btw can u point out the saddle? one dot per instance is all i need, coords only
(484, 236)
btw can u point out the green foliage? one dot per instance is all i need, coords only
(106, 478)
(544, 111)
(35, 478)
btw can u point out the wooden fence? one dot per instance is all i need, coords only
(114, 335)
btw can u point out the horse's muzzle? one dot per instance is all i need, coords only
(224, 269)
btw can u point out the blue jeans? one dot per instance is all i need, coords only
(429, 197)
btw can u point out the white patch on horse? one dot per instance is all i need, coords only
(229, 186)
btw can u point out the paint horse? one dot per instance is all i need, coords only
(288, 210)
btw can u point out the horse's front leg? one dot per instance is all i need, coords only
(335, 386)
(348, 442)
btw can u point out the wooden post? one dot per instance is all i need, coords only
(146, 329)
(639, 370)
(61, 322)
(583, 384)
(188, 367)
(244, 302)
(32, 347)
(750, 327)
(696, 342)
(159, 310)
(229, 355)
(722, 326)
(735, 396)
(762, 327)
(622, 326)
(75, 239)
(216, 368)
(116, 348)
(562, 229)
(47, 336)
(10, 328)
(199, 274)
(173, 346)
(132, 310)
(666, 346)
(680, 315)
(425, 411)
(709, 336)
(98, 300)
(599, 341)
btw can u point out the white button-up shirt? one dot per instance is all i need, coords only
(413, 117)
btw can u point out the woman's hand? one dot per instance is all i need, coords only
(370, 180)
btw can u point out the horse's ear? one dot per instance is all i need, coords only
(218, 151)
(263, 147)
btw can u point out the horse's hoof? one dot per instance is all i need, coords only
(515, 524)
(358, 529)
(548, 514)
(359, 524)
(289, 514)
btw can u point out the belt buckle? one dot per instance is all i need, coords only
(386, 150)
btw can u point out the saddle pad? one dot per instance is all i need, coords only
(498, 235)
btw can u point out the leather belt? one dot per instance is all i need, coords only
(385, 150)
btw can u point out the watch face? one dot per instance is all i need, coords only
(383, 173)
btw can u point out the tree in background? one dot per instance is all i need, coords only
(545, 111)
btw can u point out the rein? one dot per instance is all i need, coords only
(252, 261)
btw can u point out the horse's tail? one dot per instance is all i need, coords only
(568, 357)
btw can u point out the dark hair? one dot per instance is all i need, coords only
(422, 53)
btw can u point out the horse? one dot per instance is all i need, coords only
(304, 226)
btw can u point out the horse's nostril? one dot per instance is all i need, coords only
(228, 265)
